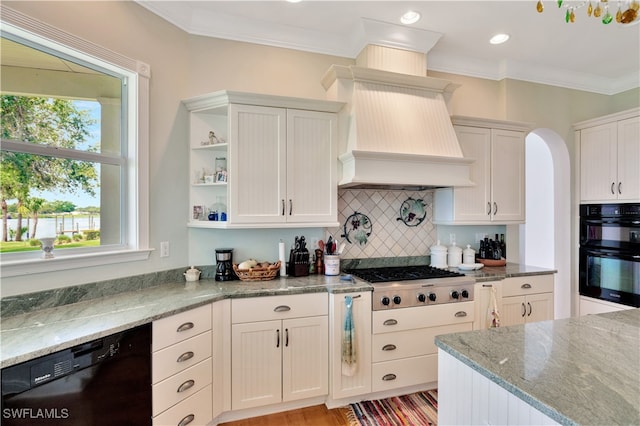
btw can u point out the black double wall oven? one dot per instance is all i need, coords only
(610, 252)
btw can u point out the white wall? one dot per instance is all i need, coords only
(539, 232)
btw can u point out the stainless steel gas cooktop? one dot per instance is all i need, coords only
(410, 286)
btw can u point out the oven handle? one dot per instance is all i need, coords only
(611, 254)
(621, 222)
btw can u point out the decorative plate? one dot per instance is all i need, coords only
(412, 212)
(357, 228)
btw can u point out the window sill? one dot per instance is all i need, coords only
(39, 266)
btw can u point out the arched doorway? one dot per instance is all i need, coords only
(546, 237)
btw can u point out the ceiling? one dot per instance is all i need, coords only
(586, 55)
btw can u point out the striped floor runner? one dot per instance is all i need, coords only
(417, 409)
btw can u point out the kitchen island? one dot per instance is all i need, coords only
(571, 371)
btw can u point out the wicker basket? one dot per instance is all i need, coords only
(259, 273)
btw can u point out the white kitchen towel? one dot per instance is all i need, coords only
(349, 358)
(493, 317)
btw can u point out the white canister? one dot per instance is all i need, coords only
(438, 256)
(331, 264)
(454, 258)
(468, 255)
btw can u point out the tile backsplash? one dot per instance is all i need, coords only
(389, 235)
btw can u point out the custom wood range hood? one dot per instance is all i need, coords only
(400, 134)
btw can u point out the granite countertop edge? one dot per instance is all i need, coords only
(34, 334)
(495, 378)
(40, 332)
(552, 348)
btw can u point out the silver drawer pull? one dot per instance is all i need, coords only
(186, 420)
(525, 285)
(389, 347)
(185, 356)
(460, 314)
(282, 308)
(186, 385)
(389, 377)
(390, 322)
(186, 326)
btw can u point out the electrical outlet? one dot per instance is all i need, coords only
(164, 249)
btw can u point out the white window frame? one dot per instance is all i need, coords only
(135, 218)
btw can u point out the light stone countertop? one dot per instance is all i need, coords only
(577, 371)
(24, 336)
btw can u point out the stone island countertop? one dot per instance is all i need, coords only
(576, 371)
(38, 324)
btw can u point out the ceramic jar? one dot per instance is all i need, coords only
(468, 255)
(454, 257)
(438, 256)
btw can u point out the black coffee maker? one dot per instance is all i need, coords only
(224, 265)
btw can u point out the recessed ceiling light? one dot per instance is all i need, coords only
(411, 17)
(499, 38)
(294, 1)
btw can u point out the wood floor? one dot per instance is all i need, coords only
(318, 415)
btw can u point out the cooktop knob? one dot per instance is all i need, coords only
(454, 294)
(432, 297)
(464, 294)
(422, 298)
(396, 300)
(385, 301)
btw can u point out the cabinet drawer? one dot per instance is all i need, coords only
(195, 410)
(179, 327)
(409, 343)
(404, 372)
(278, 307)
(521, 286)
(169, 361)
(421, 317)
(180, 386)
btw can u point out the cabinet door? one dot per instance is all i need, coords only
(311, 167)
(473, 203)
(359, 383)
(483, 301)
(507, 176)
(598, 163)
(513, 310)
(257, 159)
(629, 159)
(256, 370)
(305, 353)
(539, 307)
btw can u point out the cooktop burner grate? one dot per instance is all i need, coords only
(402, 273)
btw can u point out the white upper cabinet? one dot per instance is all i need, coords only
(498, 149)
(281, 158)
(609, 152)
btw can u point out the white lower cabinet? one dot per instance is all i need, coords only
(403, 348)
(182, 368)
(527, 299)
(482, 295)
(589, 306)
(282, 359)
(357, 382)
(194, 410)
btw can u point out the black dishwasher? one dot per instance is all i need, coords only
(103, 382)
